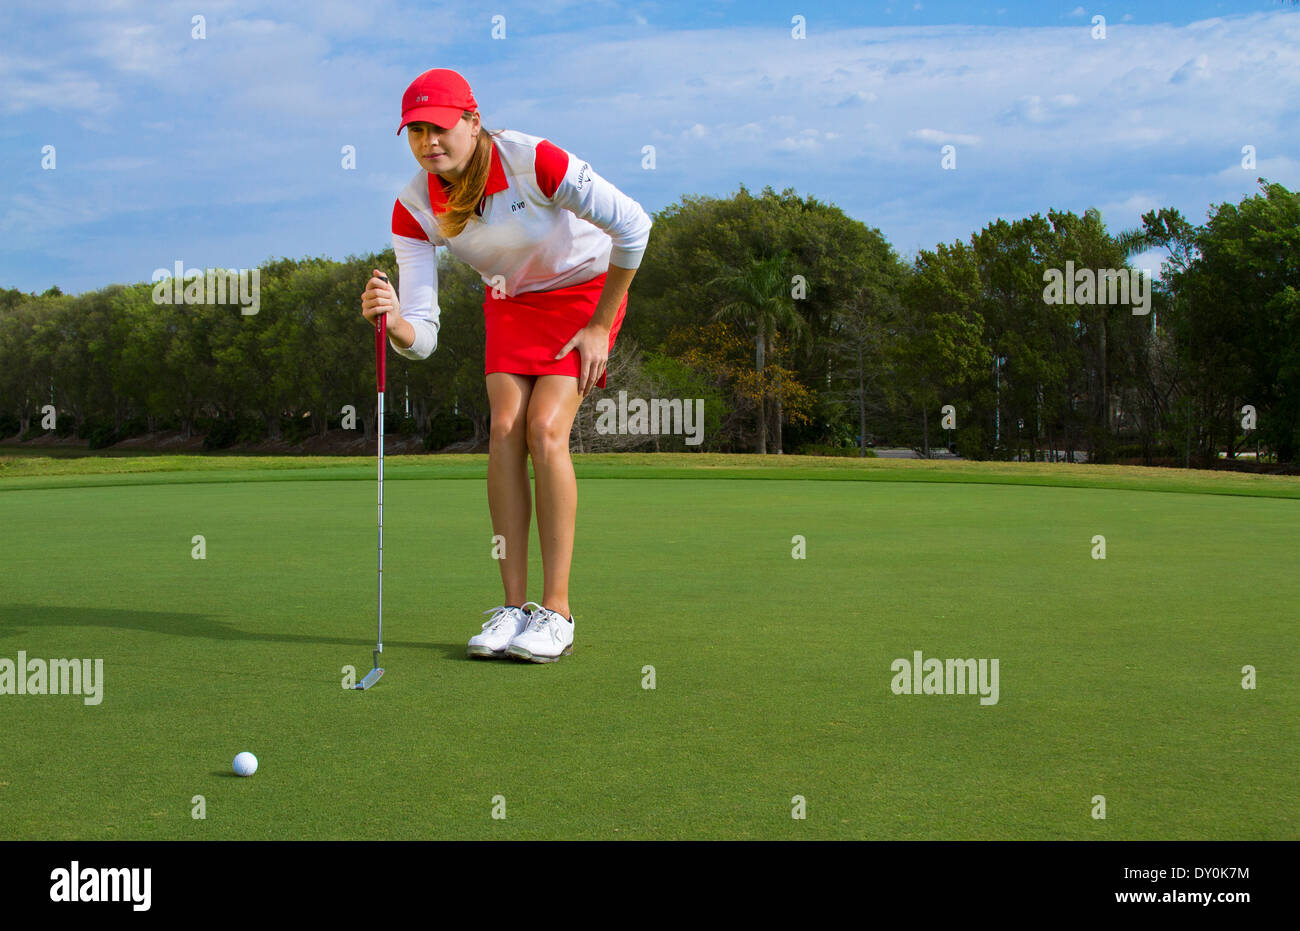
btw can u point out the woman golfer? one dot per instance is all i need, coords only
(557, 246)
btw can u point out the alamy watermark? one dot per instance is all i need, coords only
(946, 677)
(1101, 286)
(52, 677)
(183, 285)
(654, 416)
(103, 884)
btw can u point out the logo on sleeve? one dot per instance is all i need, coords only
(584, 175)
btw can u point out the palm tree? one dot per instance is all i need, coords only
(761, 302)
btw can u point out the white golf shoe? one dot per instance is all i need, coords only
(547, 636)
(499, 630)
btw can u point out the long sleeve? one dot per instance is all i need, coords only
(417, 292)
(573, 184)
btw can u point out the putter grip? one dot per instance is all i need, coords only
(381, 344)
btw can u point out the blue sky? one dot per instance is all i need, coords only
(226, 151)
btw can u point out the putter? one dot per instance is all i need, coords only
(381, 344)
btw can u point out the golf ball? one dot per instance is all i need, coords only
(245, 764)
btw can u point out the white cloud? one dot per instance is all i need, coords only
(858, 99)
(942, 137)
(1275, 168)
(802, 144)
(1194, 69)
(140, 48)
(31, 84)
(1151, 259)
(1130, 208)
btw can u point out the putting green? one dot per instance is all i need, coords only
(1119, 677)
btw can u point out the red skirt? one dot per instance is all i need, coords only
(525, 332)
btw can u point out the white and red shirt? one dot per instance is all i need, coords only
(546, 221)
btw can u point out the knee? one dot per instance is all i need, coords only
(547, 436)
(507, 432)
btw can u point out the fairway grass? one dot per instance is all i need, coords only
(1119, 677)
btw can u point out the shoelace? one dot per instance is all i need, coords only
(496, 621)
(541, 622)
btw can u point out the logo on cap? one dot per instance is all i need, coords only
(438, 96)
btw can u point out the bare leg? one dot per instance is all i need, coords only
(551, 409)
(509, 497)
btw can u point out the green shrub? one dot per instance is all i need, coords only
(295, 429)
(971, 442)
(251, 430)
(220, 434)
(224, 432)
(135, 426)
(446, 428)
(102, 435)
(1101, 444)
(1135, 451)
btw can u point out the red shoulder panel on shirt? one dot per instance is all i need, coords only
(404, 224)
(550, 164)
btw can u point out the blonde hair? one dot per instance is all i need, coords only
(464, 194)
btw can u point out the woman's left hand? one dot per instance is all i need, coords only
(592, 342)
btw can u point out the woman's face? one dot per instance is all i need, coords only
(443, 151)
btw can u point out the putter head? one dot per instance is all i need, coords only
(371, 678)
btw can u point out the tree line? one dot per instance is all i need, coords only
(801, 329)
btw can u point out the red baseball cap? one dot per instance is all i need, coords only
(439, 96)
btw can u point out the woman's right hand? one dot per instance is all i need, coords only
(379, 298)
